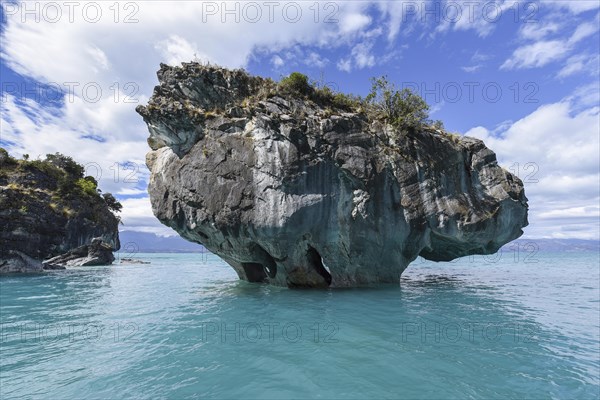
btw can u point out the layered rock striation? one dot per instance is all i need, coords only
(297, 194)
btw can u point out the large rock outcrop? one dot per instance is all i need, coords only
(47, 208)
(300, 195)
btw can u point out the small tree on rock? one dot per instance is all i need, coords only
(112, 203)
(70, 166)
(403, 109)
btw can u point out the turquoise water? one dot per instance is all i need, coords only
(185, 327)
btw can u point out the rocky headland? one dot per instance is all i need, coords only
(48, 208)
(296, 186)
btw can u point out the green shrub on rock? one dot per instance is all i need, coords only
(86, 186)
(296, 83)
(5, 159)
(403, 109)
(67, 164)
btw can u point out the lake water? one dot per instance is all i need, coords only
(522, 326)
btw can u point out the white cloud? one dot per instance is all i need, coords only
(543, 52)
(345, 65)
(353, 22)
(471, 68)
(399, 12)
(478, 60)
(38, 131)
(480, 57)
(481, 17)
(437, 107)
(360, 57)
(573, 6)
(537, 31)
(554, 150)
(583, 30)
(581, 63)
(130, 191)
(537, 54)
(315, 60)
(572, 212)
(176, 49)
(296, 57)
(137, 215)
(166, 32)
(277, 61)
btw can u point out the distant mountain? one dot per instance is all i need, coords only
(557, 245)
(142, 242)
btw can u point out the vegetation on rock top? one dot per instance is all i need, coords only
(57, 174)
(195, 99)
(403, 109)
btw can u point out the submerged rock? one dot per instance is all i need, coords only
(96, 253)
(293, 194)
(133, 261)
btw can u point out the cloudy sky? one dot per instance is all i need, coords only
(522, 76)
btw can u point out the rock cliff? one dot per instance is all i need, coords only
(295, 193)
(48, 208)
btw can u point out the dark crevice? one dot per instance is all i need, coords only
(202, 235)
(316, 261)
(255, 272)
(266, 259)
(262, 267)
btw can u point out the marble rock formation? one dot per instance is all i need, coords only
(294, 194)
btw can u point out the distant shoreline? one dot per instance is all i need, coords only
(133, 242)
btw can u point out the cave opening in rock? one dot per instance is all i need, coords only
(316, 261)
(255, 272)
(263, 265)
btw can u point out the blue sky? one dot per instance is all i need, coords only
(522, 76)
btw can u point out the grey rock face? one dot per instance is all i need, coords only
(294, 195)
(96, 253)
(18, 262)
